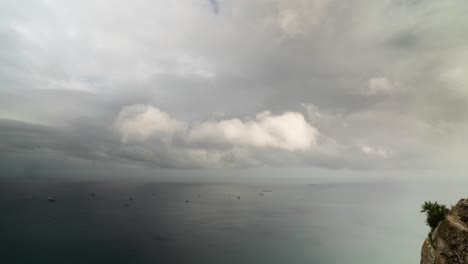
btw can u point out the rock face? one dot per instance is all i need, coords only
(449, 241)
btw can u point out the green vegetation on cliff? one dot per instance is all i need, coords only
(435, 213)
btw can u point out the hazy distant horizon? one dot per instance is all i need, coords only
(34, 166)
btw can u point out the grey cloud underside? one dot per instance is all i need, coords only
(75, 142)
(382, 82)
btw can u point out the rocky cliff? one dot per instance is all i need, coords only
(449, 241)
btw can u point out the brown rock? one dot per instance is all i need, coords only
(449, 241)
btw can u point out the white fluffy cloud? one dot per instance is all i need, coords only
(140, 122)
(152, 136)
(288, 131)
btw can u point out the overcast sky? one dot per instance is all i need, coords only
(365, 84)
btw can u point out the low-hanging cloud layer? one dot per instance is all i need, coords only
(201, 84)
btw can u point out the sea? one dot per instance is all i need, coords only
(245, 216)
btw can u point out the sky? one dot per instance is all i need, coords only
(189, 84)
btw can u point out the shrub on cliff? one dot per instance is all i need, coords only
(435, 213)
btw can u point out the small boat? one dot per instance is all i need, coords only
(50, 199)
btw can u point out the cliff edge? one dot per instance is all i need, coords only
(449, 242)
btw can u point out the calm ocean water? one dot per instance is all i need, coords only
(214, 222)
